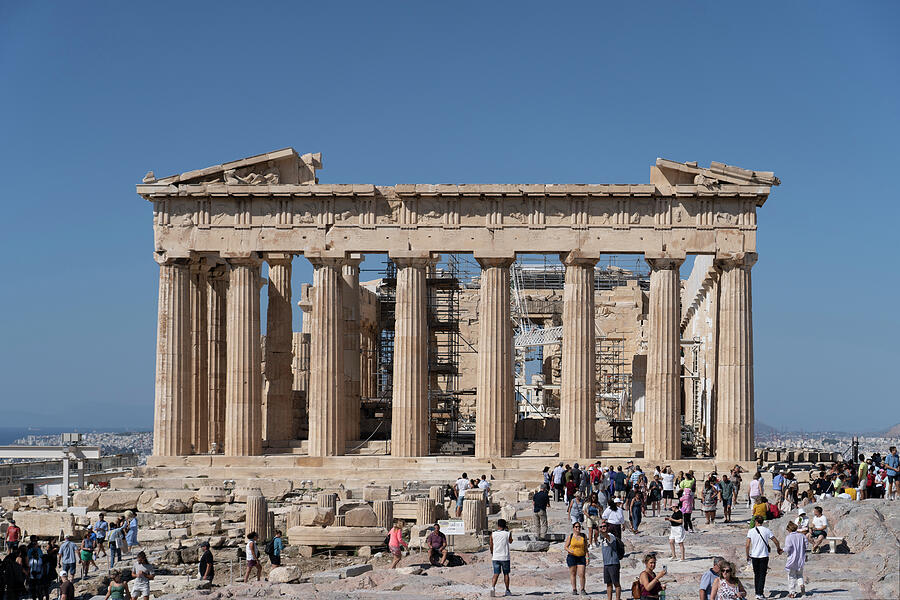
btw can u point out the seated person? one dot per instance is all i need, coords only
(437, 547)
(818, 530)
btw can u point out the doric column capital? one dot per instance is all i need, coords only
(660, 261)
(487, 262)
(278, 258)
(242, 258)
(579, 258)
(166, 259)
(326, 258)
(201, 265)
(728, 260)
(415, 259)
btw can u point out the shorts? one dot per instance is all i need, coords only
(396, 550)
(459, 500)
(500, 565)
(676, 534)
(593, 521)
(726, 502)
(251, 563)
(818, 532)
(574, 561)
(668, 494)
(140, 589)
(611, 575)
(275, 559)
(893, 478)
(87, 556)
(69, 568)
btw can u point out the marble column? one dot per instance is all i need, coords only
(662, 409)
(350, 300)
(217, 294)
(409, 414)
(495, 414)
(199, 358)
(243, 390)
(278, 413)
(171, 425)
(734, 380)
(577, 411)
(325, 402)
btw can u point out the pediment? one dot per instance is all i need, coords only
(283, 166)
(689, 173)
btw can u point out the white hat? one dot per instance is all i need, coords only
(801, 511)
(618, 501)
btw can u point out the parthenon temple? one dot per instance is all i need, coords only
(499, 321)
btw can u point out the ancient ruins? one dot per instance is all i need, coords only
(682, 350)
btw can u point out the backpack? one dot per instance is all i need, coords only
(636, 588)
(620, 548)
(270, 548)
(35, 567)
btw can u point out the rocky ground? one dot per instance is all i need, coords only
(868, 567)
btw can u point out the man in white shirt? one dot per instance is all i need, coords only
(758, 548)
(818, 529)
(558, 473)
(499, 543)
(668, 486)
(485, 486)
(462, 484)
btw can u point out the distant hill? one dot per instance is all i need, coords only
(763, 429)
(893, 431)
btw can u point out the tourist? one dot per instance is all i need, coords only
(760, 509)
(206, 569)
(571, 484)
(437, 547)
(548, 478)
(891, 464)
(396, 543)
(862, 476)
(101, 528)
(728, 492)
(68, 556)
(654, 494)
(710, 500)
(637, 505)
(35, 562)
(131, 533)
(462, 484)
(818, 529)
(819, 485)
(51, 559)
(558, 472)
(499, 545)
(676, 530)
(619, 479)
(795, 547)
(87, 554)
(687, 508)
(651, 584)
(118, 589)
(709, 578)
(615, 516)
(485, 486)
(758, 549)
(609, 549)
(635, 476)
(277, 549)
(142, 574)
(593, 519)
(252, 557)
(577, 557)
(757, 488)
(116, 541)
(736, 479)
(13, 535)
(777, 485)
(66, 587)
(576, 509)
(668, 488)
(596, 477)
(541, 500)
(13, 566)
(689, 482)
(802, 521)
(728, 586)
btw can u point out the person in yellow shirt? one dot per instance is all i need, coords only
(760, 508)
(577, 557)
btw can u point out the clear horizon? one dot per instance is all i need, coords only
(96, 95)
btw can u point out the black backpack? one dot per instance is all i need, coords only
(270, 548)
(620, 548)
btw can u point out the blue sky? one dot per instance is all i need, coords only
(93, 95)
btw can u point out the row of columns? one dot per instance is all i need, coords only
(211, 396)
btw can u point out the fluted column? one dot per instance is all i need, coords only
(734, 380)
(217, 294)
(171, 425)
(495, 414)
(278, 413)
(243, 390)
(662, 409)
(199, 358)
(577, 412)
(409, 415)
(350, 298)
(326, 352)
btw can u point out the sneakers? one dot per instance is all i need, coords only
(584, 593)
(508, 593)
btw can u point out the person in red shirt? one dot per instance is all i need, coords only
(13, 534)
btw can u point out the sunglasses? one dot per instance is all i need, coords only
(726, 570)
(577, 526)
